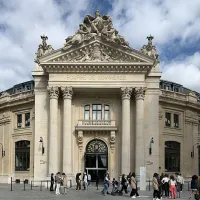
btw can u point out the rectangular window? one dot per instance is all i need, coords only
(106, 112)
(87, 112)
(176, 89)
(27, 119)
(19, 120)
(96, 111)
(28, 87)
(176, 120)
(167, 119)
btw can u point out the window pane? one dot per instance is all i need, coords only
(176, 120)
(102, 161)
(27, 119)
(98, 115)
(94, 116)
(87, 107)
(19, 120)
(98, 107)
(22, 155)
(94, 107)
(106, 115)
(106, 107)
(172, 156)
(87, 115)
(168, 119)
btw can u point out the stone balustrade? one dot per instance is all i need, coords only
(6, 97)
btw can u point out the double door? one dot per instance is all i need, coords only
(96, 164)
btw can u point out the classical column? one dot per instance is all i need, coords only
(53, 130)
(139, 144)
(125, 157)
(67, 129)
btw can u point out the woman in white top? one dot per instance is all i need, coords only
(172, 184)
(165, 182)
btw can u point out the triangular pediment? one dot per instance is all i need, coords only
(96, 51)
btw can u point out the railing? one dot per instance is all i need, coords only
(22, 95)
(96, 123)
(176, 95)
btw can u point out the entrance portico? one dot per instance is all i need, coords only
(97, 92)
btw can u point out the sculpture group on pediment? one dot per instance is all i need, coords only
(98, 26)
(149, 49)
(43, 48)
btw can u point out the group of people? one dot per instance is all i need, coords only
(60, 180)
(171, 186)
(85, 179)
(163, 185)
(127, 184)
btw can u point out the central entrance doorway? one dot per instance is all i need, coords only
(96, 159)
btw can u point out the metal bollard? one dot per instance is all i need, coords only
(188, 186)
(31, 185)
(11, 184)
(149, 185)
(24, 185)
(70, 183)
(47, 185)
(41, 186)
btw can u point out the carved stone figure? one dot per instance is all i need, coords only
(149, 49)
(92, 27)
(43, 48)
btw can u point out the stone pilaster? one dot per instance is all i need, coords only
(67, 129)
(112, 154)
(125, 157)
(139, 144)
(53, 129)
(80, 153)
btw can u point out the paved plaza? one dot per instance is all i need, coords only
(18, 193)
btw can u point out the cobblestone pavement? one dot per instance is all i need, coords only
(18, 193)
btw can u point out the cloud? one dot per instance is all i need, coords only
(174, 24)
(184, 71)
(22, 23)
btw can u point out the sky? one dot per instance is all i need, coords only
(175, 25)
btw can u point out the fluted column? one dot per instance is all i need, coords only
(53, 130)
(67, 129)
(139, 144)
(125, 157)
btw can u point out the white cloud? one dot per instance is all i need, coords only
(25, 21)
(185, 71)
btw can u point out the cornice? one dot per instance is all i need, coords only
(17, 99)
(95, 67)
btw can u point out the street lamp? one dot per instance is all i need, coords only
(3, 152)
(150, 146)
(41, 141)
(192, 153)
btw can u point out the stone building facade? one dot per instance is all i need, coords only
(96, 104)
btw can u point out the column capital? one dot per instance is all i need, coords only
(126, 93)
(53, 92)
(139, 93)
(67, 92)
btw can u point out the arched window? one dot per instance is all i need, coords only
(22, 155)
(87, 112)
(172, 156)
